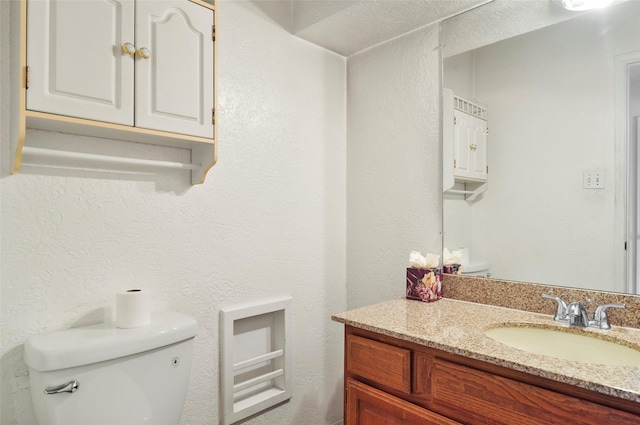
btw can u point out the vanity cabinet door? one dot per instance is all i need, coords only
(76, 66)
(174, 70)
(369, 406)
(470, 147)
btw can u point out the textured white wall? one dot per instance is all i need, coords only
(536, 222)
(394, 194)
(269, 220)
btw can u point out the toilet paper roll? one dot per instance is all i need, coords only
(133, 308)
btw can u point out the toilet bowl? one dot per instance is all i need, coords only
(103, 375)
(469, 267)
(476, 268)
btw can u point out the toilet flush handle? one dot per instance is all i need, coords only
(69, 387)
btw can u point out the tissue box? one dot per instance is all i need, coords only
(451, 269)
(424, 284)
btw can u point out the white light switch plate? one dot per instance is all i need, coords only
(593, 179)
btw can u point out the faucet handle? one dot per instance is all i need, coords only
(562, 311)
(600, 317)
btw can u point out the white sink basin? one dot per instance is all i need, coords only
(566, 345)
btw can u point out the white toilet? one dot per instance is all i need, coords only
(476, 268)
(469, 267)
(102, 375)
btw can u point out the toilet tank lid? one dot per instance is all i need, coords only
(96, 343)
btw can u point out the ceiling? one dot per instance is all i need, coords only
(351, 26)
(347, 26)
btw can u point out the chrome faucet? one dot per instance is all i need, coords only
(576, 315)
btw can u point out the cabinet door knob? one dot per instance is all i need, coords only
(128, 48)
(144, 53)
(473, 147)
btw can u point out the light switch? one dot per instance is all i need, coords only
(593, 179)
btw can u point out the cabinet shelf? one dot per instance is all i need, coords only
(469, 194)
(203, 147)
(107, 159)
(105, 130)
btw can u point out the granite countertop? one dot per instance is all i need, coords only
(458, 327)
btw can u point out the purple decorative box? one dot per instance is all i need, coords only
(451, 269)
(424, 284)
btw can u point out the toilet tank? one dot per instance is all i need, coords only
(124, 376)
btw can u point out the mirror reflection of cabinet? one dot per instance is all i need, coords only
(465, 135)
(469, 147)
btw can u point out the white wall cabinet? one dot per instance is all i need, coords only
(469, 147)
(465, 146)
(134, 70)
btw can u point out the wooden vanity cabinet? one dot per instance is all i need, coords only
(391, 381)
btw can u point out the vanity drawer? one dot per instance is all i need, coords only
(378, 362)
(475, 395)
(367, 405)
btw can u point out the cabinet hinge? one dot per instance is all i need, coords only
(487, 169)
(455, 121)
(26, 77)
(213, 116)
(455, 163)
(213, 32)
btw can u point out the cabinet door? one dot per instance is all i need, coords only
(368, 406)
(174, 85)
(75, 59)
(470, 146)
(479, 148)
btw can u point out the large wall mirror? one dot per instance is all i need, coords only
(562, 94)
